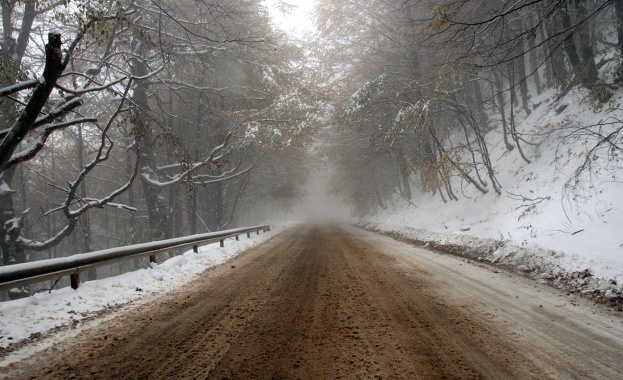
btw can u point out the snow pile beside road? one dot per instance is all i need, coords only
(540, 264)
(35, 316)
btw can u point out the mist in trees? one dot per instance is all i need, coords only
(130, 121)
(419, 84)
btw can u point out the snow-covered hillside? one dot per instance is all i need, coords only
(543, 223)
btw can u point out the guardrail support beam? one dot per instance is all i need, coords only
(74, 279)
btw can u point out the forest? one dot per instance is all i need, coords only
(137, 120)
(423, 83)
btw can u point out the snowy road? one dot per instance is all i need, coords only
(326, 302)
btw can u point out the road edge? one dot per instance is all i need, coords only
(604, 292)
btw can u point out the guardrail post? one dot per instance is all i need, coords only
(196, 248)
(152, 258)
(222, 243)
(258, 232)
(237, 238)
(75, 280)
(249, 235)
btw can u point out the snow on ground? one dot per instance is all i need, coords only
(541, 224)
(43, 312)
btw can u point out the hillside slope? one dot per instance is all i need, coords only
(544, 223)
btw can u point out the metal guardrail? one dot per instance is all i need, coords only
(12, 276)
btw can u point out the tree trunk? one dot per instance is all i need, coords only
(589, 69)
(521, 74)
(192, 211)
(12, 253)
(85, 221)
(569, 42)
(177, 224)
(129, 168)
(534, 61)
(154, 197)
(38, 99)
(513, 130)
(501, 107)
(556, 57)
(156, 211)
(404, 175)
(191, 204)
(546, 36)
(218, 205)
(483, 120)
(11, 55)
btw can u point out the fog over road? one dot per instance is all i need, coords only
(325, 302)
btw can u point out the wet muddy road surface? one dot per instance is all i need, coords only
(329, 302)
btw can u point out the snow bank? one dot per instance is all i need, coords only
(541, 264)
(43, 312)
